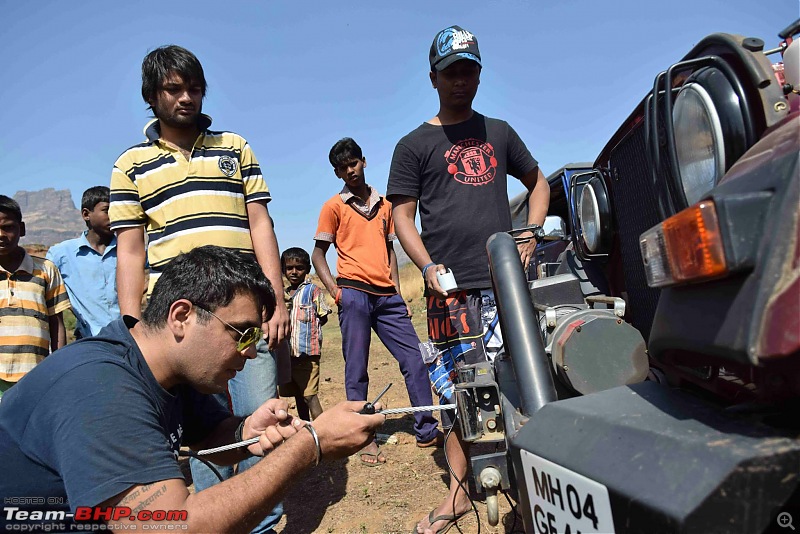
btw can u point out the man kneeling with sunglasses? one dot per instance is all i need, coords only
(98, 425)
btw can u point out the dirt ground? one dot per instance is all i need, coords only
(346, 496)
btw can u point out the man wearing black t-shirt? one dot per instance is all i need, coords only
(455, 167)
(96, 428)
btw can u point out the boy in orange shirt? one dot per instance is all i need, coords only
(358, 221)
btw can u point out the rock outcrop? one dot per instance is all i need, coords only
(50, 216)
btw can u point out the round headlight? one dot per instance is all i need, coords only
(590, 218)
(593, 234)
(699, 144)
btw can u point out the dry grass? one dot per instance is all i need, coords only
(412, 286)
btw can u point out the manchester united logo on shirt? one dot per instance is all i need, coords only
(472, 162)
(227, 165)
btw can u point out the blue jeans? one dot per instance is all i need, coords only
(249, 389)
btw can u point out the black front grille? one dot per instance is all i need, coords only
(636, 210)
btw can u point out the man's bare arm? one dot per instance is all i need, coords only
(130, 270)
(239, 503)
(322, 268)
(265, 246)
(271, 421)
(395, 274)
(58, 334)
(404, 211)
(256, 491)
(538, 202)
(393, 270)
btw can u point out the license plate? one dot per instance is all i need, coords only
(563, 501)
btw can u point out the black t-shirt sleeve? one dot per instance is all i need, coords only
(104, 433)
(404, 173)
(520, 161)
(201, 415)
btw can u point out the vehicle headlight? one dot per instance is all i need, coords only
(590, 219)
(592, 209)
(709, 132)
(698, 141)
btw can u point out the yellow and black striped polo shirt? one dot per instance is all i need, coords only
(182, 203)
(28, 298)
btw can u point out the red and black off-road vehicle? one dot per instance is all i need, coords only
(650, 380)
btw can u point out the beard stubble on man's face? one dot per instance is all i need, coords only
(174, 113)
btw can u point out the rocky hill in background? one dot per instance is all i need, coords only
(50, 216)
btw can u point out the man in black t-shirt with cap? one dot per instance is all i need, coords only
(455, 166)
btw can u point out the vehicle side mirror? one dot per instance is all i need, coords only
(555, 228)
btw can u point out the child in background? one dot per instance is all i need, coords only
(88, 265)
(32, 299)
(358, 222)
(308, 312)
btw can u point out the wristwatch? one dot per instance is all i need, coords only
(237, 434)
(538, 232)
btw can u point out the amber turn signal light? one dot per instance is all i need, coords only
(685, 248)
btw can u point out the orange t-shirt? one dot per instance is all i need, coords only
(361, 243)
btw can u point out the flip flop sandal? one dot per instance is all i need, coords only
(375, 455)
(451, 521)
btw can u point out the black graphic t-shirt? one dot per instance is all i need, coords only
(458, 174)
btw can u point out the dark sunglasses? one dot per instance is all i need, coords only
(247, 339)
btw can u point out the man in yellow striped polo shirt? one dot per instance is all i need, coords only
(32, 299)
(187, 186)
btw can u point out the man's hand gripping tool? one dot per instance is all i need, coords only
(369, 408)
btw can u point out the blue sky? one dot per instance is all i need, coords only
(294, 77)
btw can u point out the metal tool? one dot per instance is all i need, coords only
(369, 408)
(390, 411)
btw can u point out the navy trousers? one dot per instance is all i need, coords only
(361, 312)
